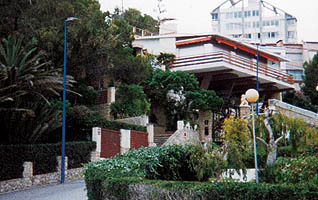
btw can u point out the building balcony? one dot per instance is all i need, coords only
(233, 67)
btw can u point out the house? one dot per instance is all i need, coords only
(223, 64)
(257, 20)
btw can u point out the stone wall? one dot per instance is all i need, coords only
(293, 111)
(29, 181)
(184, 135)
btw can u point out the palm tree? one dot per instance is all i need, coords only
(26, 84)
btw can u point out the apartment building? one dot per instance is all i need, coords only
(257, 20)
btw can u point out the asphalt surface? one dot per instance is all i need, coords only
(74, 190)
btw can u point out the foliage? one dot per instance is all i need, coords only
(134, 188)
(165, 59)
(311, 79)
(27, 85)
(301, 137)
(238, 142)
(43, 157)
(204, 100)
(130, 70)
(299, 170)
(89, 94)
(297, 98)
(169, 90)
(81, 120)
(96, 43)
(131, 101)
(206, 164)
(166, 163)
(136, 19)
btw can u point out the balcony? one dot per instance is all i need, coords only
(222, 60)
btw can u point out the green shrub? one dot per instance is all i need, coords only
(131, 101)
(299, 170)
(170, 163)
(205, 164)
(167, 162)
(43, 157)
(285, 151)
(119, 188)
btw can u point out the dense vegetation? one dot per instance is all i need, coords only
(161, 170)
(31, 58)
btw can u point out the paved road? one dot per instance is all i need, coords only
(74, 190)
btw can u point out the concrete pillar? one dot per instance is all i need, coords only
(27, 169)
(27, 174)
(124, 140)
(111, 92)
(150, 131)
(95, 156)
(97, 137)
(180, 125)
(59, 162)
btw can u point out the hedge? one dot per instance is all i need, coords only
(133, 188)
(127, 177)
(43, 157)
(120, 125)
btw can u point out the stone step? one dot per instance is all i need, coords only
(160, 139)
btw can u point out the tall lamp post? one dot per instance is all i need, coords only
(64, 101)
(257, 81)
(252, 97)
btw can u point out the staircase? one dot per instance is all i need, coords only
(161, 136)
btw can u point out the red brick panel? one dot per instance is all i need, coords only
(110, 143)
(138, 139)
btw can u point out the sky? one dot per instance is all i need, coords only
(193, 16)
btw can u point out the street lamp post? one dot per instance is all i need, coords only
(64, 101)
(257, 81)
(252, 97)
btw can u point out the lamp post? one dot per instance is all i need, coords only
(257, 81)
(64, 101)
(252, 97)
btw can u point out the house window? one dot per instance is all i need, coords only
(276, 23)
(215, 16)
(247, 13)
(291, 34)
(239, 15)
(297, 74)
(291, 21)
(206, 130)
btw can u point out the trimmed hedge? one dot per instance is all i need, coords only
(133, 188)
(43, 157)
(113, 125)
(127, 177)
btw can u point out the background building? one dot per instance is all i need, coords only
(257, 20)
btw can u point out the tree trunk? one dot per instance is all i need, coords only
(272, 154)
